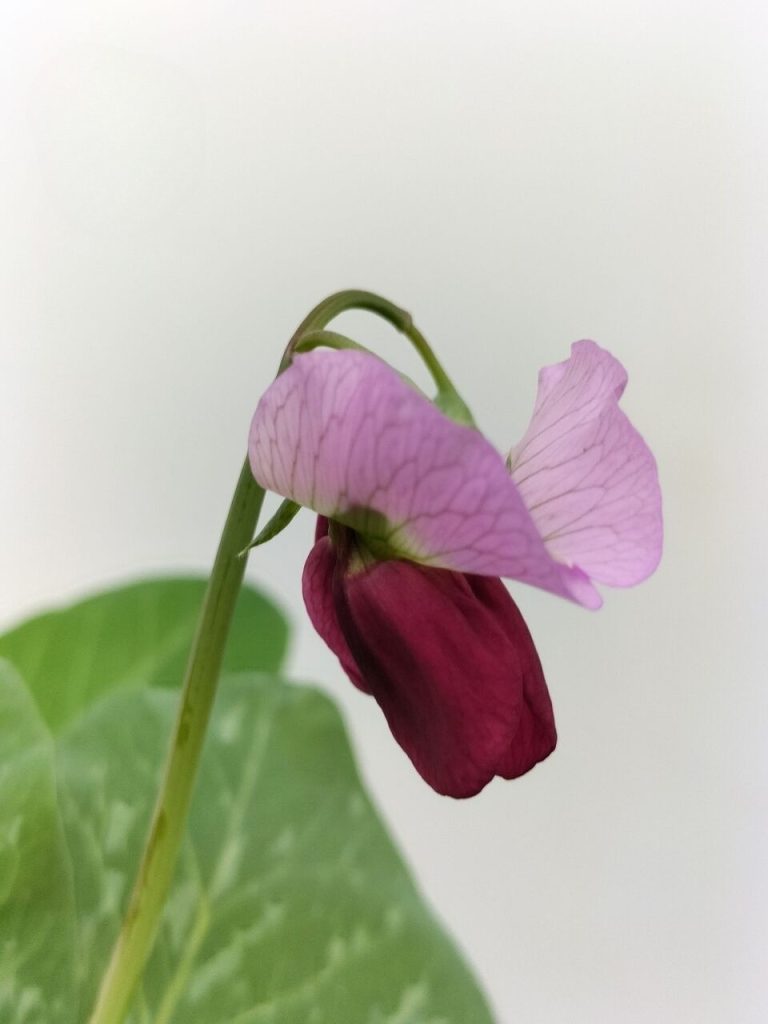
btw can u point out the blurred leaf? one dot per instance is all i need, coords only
(290, 904)
(37, 909)
(138, 635)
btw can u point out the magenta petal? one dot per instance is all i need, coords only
(451, 664)
(317, 589)
(536, 735)
(588, 478)
(343, 434)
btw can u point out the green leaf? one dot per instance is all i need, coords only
(37, 909)
(137, 635)
(289, 906)
(290, 903)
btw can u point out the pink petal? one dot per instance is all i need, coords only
(586, 475)
(341, 432)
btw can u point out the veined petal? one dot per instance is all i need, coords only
(588, 478)
(340, 432)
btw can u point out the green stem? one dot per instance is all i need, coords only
(401, 320)
(326, 339)
(166, 831)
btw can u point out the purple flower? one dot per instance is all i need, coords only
(425, 516)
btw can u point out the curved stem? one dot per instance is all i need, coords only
(166, 831)
(326, 339)
(400, 319)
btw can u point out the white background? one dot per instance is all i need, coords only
(180, 183)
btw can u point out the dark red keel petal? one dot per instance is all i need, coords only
(447, 657)
(317, 589)
(536, 735)
(448, 668)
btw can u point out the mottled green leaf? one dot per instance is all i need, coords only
(137, 635)
(290, 904)
(37, 910)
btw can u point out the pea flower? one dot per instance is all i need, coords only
(420, 516)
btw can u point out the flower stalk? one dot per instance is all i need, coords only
(448, 398)
(166, 831)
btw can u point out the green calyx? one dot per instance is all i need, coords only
(367, 537)
(453, 406)
(285, 515)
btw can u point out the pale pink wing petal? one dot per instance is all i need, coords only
(343, 434)
(588, 478)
